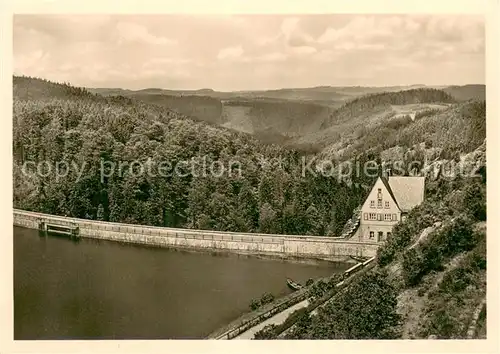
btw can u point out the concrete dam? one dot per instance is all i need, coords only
(251, 243)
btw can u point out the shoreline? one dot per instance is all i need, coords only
(290, 247)
(313, 260)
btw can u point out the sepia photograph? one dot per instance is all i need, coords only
(249, 176)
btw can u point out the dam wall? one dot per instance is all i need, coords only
(253, 243)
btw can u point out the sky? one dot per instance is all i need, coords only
(250, 52)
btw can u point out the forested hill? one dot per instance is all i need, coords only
(467, 92)
(29, 88)
(368, 102)
(430, 278)
(54, 122)
(269, 195)
(286, 116)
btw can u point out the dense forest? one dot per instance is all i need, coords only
(449, 132)
(267, 194)
(429, 277)
(365, 103)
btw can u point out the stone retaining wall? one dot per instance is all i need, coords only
(289, 245)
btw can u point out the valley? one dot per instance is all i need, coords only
(303, 118)
(271, 138)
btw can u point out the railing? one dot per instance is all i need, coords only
(229, 334)
(286, 304)
(185, 233)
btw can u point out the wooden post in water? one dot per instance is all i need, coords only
(75, 232)
(42, 229)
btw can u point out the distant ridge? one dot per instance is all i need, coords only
(316, 93)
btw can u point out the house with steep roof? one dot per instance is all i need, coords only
(389, 201)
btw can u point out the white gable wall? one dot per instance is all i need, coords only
(368, 225)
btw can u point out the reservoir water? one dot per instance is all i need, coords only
(95, 289)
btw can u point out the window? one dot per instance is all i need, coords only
(388, 235)
(387, 204)
(379, 193)
(380, 235)
(365, 216)
(379, 203)
(379, 217)
(394, 217)
(373, 216)
(387, 217)
(372, 234)
(372, 204)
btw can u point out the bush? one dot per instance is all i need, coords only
(404, 232)
(432, 258)
(475, 200)
(460, 236)
(366, 309)
(455, 280)
(301, 327)
(413, 267)
(267, 298)
(426, 113)
(450, 306)
(476, 260)
(441, 245)
(426, 284)
(272, 331)
(254, 305)
(268, 332)
(385, 255)
(319, 289)
(443, 324)
(454, 237)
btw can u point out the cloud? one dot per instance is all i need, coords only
(264, 58)
(261, 51)
(325, 56)
(303, 50)
(290, 34)
(351, 46)
(289, 25)
(128, 31)
(168, 60)
(230, 53)
(360, 28)
(272, 57)
(34, 62)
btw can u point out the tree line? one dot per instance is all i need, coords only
(271, 195)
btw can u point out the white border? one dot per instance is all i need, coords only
(489, 8)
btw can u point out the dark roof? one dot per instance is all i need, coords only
(387, 185)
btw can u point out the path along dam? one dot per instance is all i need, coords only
(252, 243)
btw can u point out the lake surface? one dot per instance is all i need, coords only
(95, 289)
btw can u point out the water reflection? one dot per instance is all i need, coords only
(102, 290)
